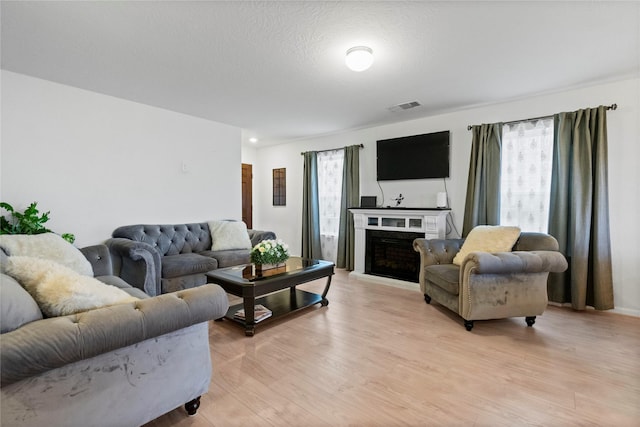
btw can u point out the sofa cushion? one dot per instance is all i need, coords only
(17, 308)
(186, 264)
(488, 238)
(227, 235)
(229, 258)
(445, 276)
(59, 290)
(47, 246)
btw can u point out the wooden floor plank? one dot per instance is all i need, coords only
(379, 356)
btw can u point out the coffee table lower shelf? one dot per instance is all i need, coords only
(280, 303)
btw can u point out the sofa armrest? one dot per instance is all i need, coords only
(258, 236)
(137, 263)
(51, 343)
(515, 262)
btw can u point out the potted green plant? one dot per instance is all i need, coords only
(28, 222)
(269, 254)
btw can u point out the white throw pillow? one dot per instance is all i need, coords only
(488, 238)
(227, 235)
(59, 290)
(47, 246)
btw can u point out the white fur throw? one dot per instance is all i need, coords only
(227, 235)
(488, 238)
(47, 246)
(58, 290)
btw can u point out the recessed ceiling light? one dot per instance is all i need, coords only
(253, 140)
(359, 58)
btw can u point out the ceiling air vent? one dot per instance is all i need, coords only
(405, 106)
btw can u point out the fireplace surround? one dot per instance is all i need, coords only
(384, 242)
(391, 254)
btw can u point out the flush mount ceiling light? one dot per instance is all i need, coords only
(359, 58)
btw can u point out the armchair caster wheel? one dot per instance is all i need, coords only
(427, 299)
(192, 406)
(468, 324)
(530, 320)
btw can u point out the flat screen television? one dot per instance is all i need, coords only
(413, 157)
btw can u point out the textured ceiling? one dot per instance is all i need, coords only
(276, 69)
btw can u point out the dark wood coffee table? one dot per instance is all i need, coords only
(275, 289)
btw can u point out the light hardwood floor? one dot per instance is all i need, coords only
(379, 356)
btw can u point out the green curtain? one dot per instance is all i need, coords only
(482, 204)
(579, 209)
(350, 198)
(310, 208)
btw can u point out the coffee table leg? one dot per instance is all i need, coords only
(325, 301)
(249, 315)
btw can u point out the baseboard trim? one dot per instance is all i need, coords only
(384, 281)
(620, 310)
(626, 312)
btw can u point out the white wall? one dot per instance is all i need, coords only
(98, 162)
(624, 173)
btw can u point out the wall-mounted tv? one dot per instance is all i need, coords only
(413, 157)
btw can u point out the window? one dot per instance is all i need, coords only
(525, 176)
(330, 164)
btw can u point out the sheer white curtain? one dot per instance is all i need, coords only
(525, 179)
(330, 164)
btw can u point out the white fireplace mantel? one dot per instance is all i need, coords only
(430, 221)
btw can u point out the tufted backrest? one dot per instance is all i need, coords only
(100, 259)
(169, 239)
(442, 251)
(437, 251)
(529, 241)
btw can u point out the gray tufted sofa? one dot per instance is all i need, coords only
(490, 285)
(121, 365)
(181, 254)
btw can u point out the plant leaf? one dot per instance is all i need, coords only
(6, 206)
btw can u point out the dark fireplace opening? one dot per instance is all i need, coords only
(391, 254)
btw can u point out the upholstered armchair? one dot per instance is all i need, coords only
(489, 285)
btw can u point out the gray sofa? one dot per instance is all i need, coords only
(162, 258)
(120, 365)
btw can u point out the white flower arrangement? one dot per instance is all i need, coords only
(270, 252)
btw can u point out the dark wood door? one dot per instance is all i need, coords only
(247, 206)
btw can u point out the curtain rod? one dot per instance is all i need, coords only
(609, 107)
(332, 149)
